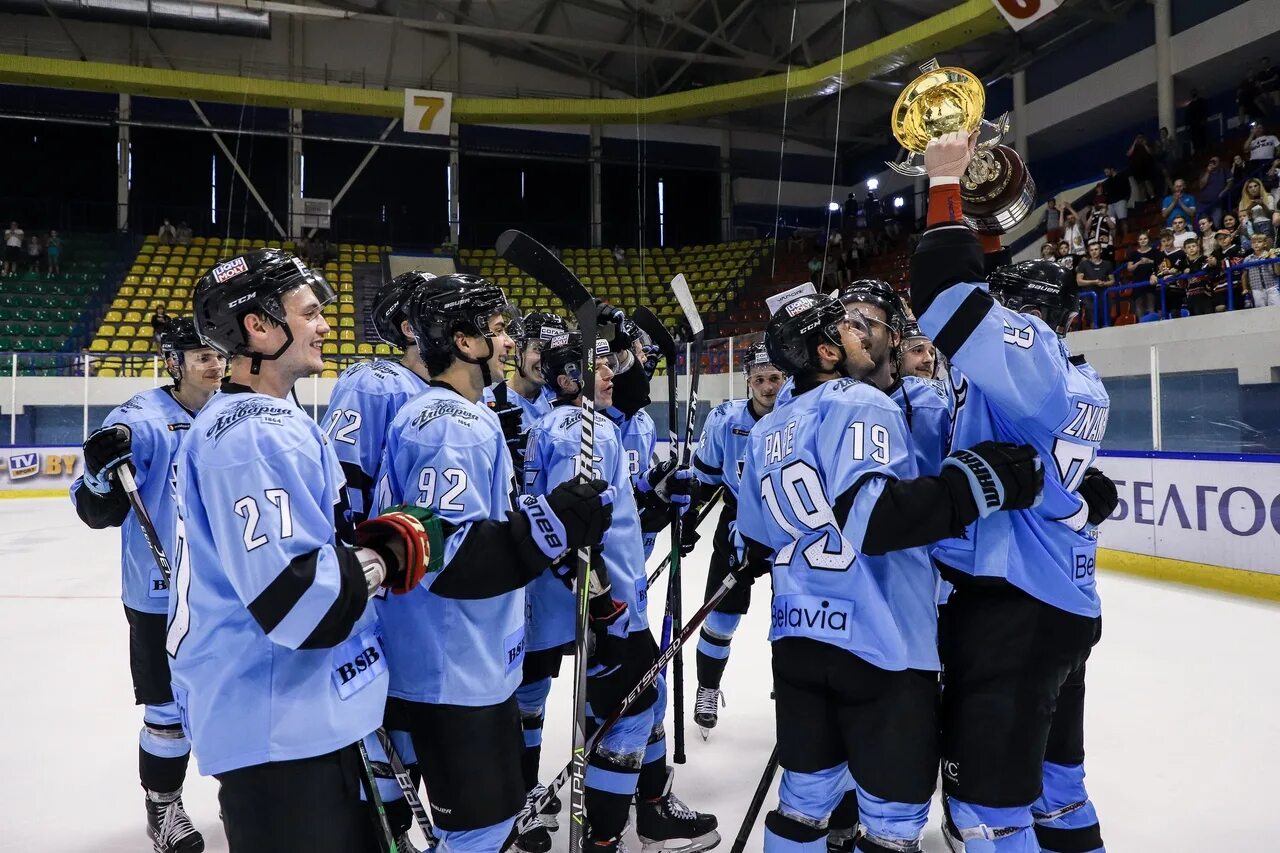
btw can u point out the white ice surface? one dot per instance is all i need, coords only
(1182, 738)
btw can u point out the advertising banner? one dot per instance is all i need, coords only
(31, 471)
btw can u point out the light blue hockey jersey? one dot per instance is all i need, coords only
(1016, 382)
(255, 575)
(157, 425)
(447, 453)
(639, 440)
(364, 400)
(815, 467)
(551, 460)
(532, 411)
(723, 447)
(929, 407)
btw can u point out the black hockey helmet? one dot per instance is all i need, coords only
(538, 327)
(799, 325)
(389, 306)
(459, 302)
(252, 283)
(877, 292)
(175, 335)
(1039, 285)
(652, 352)
(757, 355)
(562, 356)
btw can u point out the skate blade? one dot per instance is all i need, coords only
(680, 845)
(706, 733)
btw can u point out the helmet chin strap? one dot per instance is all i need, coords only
(486, 376)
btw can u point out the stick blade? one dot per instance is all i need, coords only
(680, 287)
(537, 260)
(659, 333)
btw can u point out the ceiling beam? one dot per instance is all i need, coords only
(743, 6)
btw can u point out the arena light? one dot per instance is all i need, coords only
(898, 201)
(873, 184)
(833, 207)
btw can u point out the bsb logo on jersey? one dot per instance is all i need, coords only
(23, 465)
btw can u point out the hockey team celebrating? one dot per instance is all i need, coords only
(338, 617)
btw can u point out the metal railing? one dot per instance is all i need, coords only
(1211, 277)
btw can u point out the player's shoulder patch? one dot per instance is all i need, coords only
(255, 409)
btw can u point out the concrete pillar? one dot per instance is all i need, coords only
(1164, 65)
(295, 173)
(726, 187)
(597, 184)
(1020, 114)
(122, 164)
(455, 203)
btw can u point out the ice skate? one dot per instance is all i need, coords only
(706, 709)
(169, 826)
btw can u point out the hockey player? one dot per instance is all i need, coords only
(916, 355)
(518, 412)
(278, 670)
(630, 761)
(456, 646)
(368, 394)
(145, 433)
(830, 489)
(719, 462)
(1025, 610)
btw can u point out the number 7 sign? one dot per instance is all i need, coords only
(427, 112)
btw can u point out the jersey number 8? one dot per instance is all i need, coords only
(802, 494)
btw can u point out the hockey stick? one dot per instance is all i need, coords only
(401, 774)
(757, 802)
(675, 588)
(527, 817)
(371, 786)
(702, 514)
(125, 476)
(535, 259)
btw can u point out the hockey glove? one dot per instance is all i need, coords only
(511, 417)
(106, 450)
(666, 485)
(410, 541)
(998, 475)
(1100, 494)
(575, 515)
(604, 611)
(748, 559)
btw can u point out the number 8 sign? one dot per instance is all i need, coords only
(427, 112)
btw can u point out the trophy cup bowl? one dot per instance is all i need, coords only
(996, 191)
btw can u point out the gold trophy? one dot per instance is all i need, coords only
(996, 191)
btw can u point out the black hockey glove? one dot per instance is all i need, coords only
(748, 559)
(575, 515)
(106, 450)
(689, 534)
(998, 475)
(603, 650)
(1100, 494)
(511, 417)
(609, 322)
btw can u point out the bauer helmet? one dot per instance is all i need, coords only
(1040, 286)
(877, 292)
(389, 306)
(252, 283)
(459, 302)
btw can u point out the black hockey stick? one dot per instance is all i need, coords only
(528, 817)
(371, 788)
(401, 774)
(757, 802)
(124, 474)
(703, 512)
(535, 259)
(675, 595)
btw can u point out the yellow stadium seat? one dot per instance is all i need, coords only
(346, 335)
(364, 349)
(106, 371)
(329, 373)
(145, 291)
(98, 345)
(175, 305)
(150, 280)
(172, 271)
(119, 345)
(346, 322)
(346, 308)
(132, 317)
(347, 349)
(197, 241)
(140, 345)
(126, 331)
(189, 273)
(135, 271)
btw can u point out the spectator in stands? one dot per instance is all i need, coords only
(1200, 285)
(853, 258)
(1143, 168)
(167, 234)
(1116, 192)
(1268, 82)
(1168, 153)
(850, 211)
(1095, 273)
(1257, 210)
(1099, 225)
(1213, 189)
(1066, 258)
(1247, 100)
(815, 271)
(1197, 119)
(864, 245)
(1263, 280)
(1231, 224)
(1048, 252)
(1073, 233)
(1173, 262)
(1229, 253)
(1181, 233)
(555, 250)
(184, 234)
(1208, 236)
(1261, 148)
(875, 214)
(1052, 221)
(835, 240)
(619, 256)
(35, 252)
(54, 251)
(1178, 203)
(1139, 268)
(13, 241)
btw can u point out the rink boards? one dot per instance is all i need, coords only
(1207, 519)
